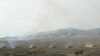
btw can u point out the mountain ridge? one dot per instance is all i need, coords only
(72, 32)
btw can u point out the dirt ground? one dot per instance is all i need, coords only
(50, 52)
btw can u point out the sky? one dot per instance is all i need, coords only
(23, 17)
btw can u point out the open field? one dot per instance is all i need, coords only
(51, 48)
(50, 52)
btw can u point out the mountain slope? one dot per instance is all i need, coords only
(70, 32)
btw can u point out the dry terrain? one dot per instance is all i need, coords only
(50, 52)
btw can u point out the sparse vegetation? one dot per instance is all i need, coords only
(50, 52)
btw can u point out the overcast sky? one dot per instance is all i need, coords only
(22, 17)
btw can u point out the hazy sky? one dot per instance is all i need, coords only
(19, 17)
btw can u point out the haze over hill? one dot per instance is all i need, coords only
(70, 32)
(18, 17)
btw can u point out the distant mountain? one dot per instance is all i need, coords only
(70, 32)
(63, 34)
